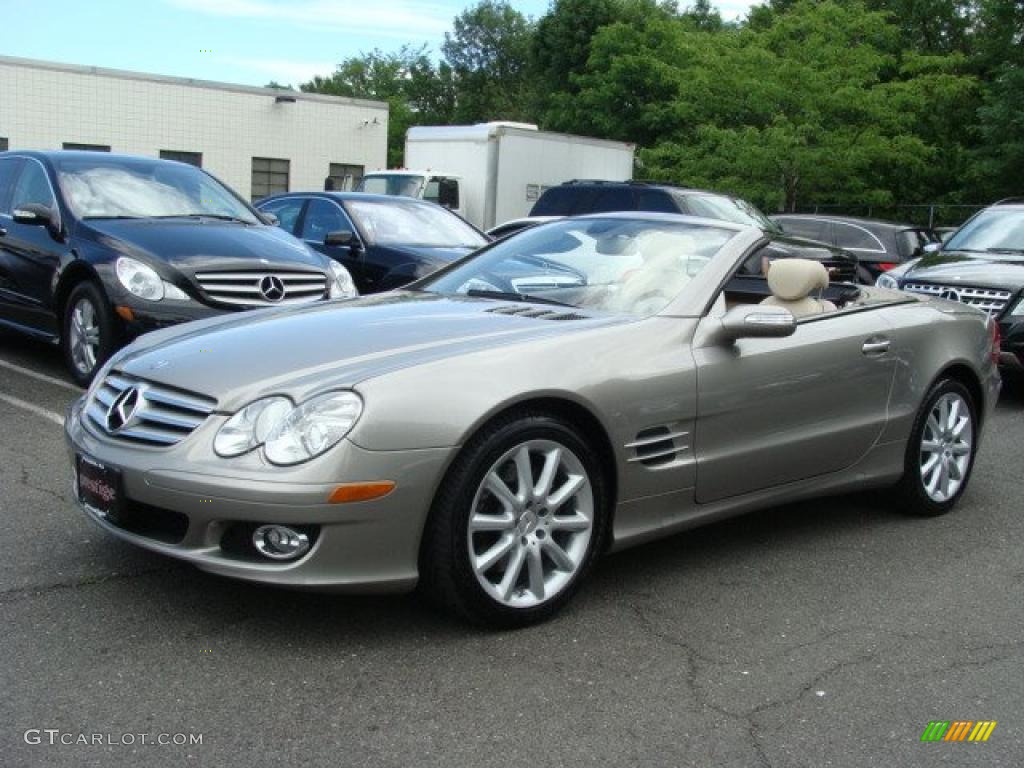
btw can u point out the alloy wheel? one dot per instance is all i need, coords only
(531, 523)
(85, 336)
(946, 446)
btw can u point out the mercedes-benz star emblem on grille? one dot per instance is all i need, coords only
(950, 294)
(272, 288)
(122, 409)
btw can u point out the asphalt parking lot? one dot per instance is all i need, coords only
(826, 633)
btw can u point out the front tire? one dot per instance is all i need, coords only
(89, 332)
(941, 450)
(517, 524)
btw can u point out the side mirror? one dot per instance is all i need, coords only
(341, 238)
(448, 193)
(756, 321)
(36, 214)
(932, 248)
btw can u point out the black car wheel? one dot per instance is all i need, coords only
(89, 331)
(517, 523)
(940, 453)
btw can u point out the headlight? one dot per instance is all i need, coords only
(138, 279)
(172, 291)
(249, 427)
(1018, 311)
(342, 286)
(887, 281)
(313, 427)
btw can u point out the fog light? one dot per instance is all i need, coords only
(278, 542)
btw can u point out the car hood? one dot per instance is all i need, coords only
(191, 245)
(298, 351)
(438, 256)
(952, 267)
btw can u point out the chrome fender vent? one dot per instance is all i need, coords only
(656, 446)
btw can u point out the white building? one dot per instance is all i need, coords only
(258, 140)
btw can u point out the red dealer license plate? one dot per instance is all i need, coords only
(99, 486)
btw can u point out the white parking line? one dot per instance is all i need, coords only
(56, 418)
(40, 376)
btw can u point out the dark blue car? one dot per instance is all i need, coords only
(384, 242)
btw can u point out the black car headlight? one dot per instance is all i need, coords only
(342, 286)
(142, 280)
(887, 281)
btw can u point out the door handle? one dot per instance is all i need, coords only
(3, 232)
(876, 345)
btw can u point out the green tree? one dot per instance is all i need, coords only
(417, 91)
(561, 49)
(816, 105)
(488, 52)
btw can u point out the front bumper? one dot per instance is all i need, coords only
(149, 316)
(1011, 331)
(370, 546)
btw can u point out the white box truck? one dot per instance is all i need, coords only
(494, 172)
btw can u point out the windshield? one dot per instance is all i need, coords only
(619, 266)
(395, 222)
(729, 209)
(140, 188)
(996, 230)
(393, 184)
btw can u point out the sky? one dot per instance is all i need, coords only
(238, 41)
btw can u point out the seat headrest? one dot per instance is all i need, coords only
(794, 279)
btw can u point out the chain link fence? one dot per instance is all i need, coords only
(922, 214)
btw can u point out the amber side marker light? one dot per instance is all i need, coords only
(349, 492)
(125, 313)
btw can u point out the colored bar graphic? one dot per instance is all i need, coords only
(982, 730)
(958, 730)
(935, 731)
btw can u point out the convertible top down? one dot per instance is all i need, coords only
(488, 431)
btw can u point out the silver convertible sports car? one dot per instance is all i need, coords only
(486, 433)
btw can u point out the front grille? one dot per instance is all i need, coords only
(988, 300)
(157, 415)
(250, 288)
(840, 270)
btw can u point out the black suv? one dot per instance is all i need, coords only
(981, 265)
(97, 248)
(575, 198)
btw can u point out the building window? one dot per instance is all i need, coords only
(3, 144)
(343, 177)
(192, 158)
(87, 147)
(269, 176)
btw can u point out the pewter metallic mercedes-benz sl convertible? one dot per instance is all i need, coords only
(486, 433)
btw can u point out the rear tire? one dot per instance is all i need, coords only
(517, 523)
(940, 452)
(89, 332)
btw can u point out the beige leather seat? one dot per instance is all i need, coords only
(659, 277)
(792, 281)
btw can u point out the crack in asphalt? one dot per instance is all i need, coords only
(9, 596)
(749, 716)
(692, 657)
